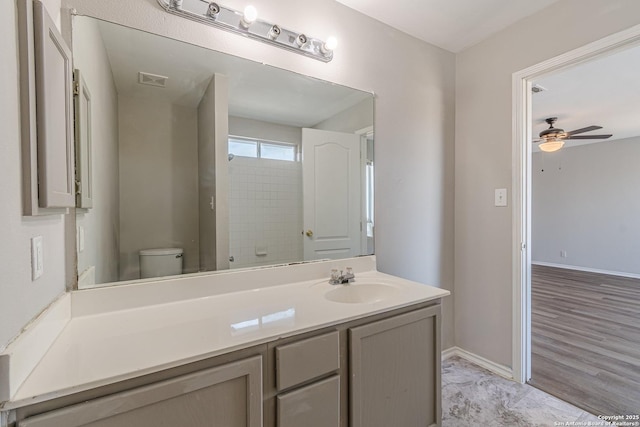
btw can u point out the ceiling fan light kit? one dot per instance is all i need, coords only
(551, 145)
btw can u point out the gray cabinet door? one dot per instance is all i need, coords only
(395, 371)
(54, 110)
(46, 112)
(225, 396)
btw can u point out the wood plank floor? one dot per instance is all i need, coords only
(585, 339)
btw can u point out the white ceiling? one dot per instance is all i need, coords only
(603, 92)
(256, 91)
(450, 24)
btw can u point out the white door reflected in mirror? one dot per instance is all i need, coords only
(331, 194)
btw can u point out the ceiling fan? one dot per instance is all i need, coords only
(552, 139)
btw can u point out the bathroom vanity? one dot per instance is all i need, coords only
(272, 347)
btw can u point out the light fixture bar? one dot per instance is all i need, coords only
(216, 15)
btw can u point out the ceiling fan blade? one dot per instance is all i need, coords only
(583, 130)
(590, 137)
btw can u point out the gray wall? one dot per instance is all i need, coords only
(101, 223)
(158, 181)
(586, 203)
(20, 298)
(483, 158)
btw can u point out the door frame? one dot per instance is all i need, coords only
(521, 183)
(365, 133)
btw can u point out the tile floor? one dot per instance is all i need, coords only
(473, 396)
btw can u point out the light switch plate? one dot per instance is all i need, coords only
(501, 197)
(37, 257)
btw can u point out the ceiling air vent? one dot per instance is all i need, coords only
(537, 88)
(152, 79)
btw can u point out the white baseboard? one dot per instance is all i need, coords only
(450, 352)
(587, 269)
(487, 364)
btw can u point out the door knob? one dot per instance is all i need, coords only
(309, 233)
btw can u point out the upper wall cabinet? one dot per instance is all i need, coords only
(47, 113)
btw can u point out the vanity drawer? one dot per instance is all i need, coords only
(307, 359)
(316, 405)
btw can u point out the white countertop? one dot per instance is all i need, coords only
(105, 347)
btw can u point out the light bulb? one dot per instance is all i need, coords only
(331, 43)
(327, 47)
(249, 16)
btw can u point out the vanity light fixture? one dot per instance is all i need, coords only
(551, 145)
(247, 24)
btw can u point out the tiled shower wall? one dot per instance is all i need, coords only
(265, 212)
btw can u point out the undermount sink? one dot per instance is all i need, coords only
(360, 293)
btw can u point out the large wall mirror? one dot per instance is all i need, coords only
(202, 161)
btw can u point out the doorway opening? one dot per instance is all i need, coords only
(523, 129)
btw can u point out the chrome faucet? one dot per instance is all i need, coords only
(340, 278)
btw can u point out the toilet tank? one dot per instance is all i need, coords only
(160, 262)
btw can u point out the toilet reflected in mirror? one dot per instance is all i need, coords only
(160, 262)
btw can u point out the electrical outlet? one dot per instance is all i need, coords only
(563, 254)
(37, 257)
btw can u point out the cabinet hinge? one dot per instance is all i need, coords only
(76, 88)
